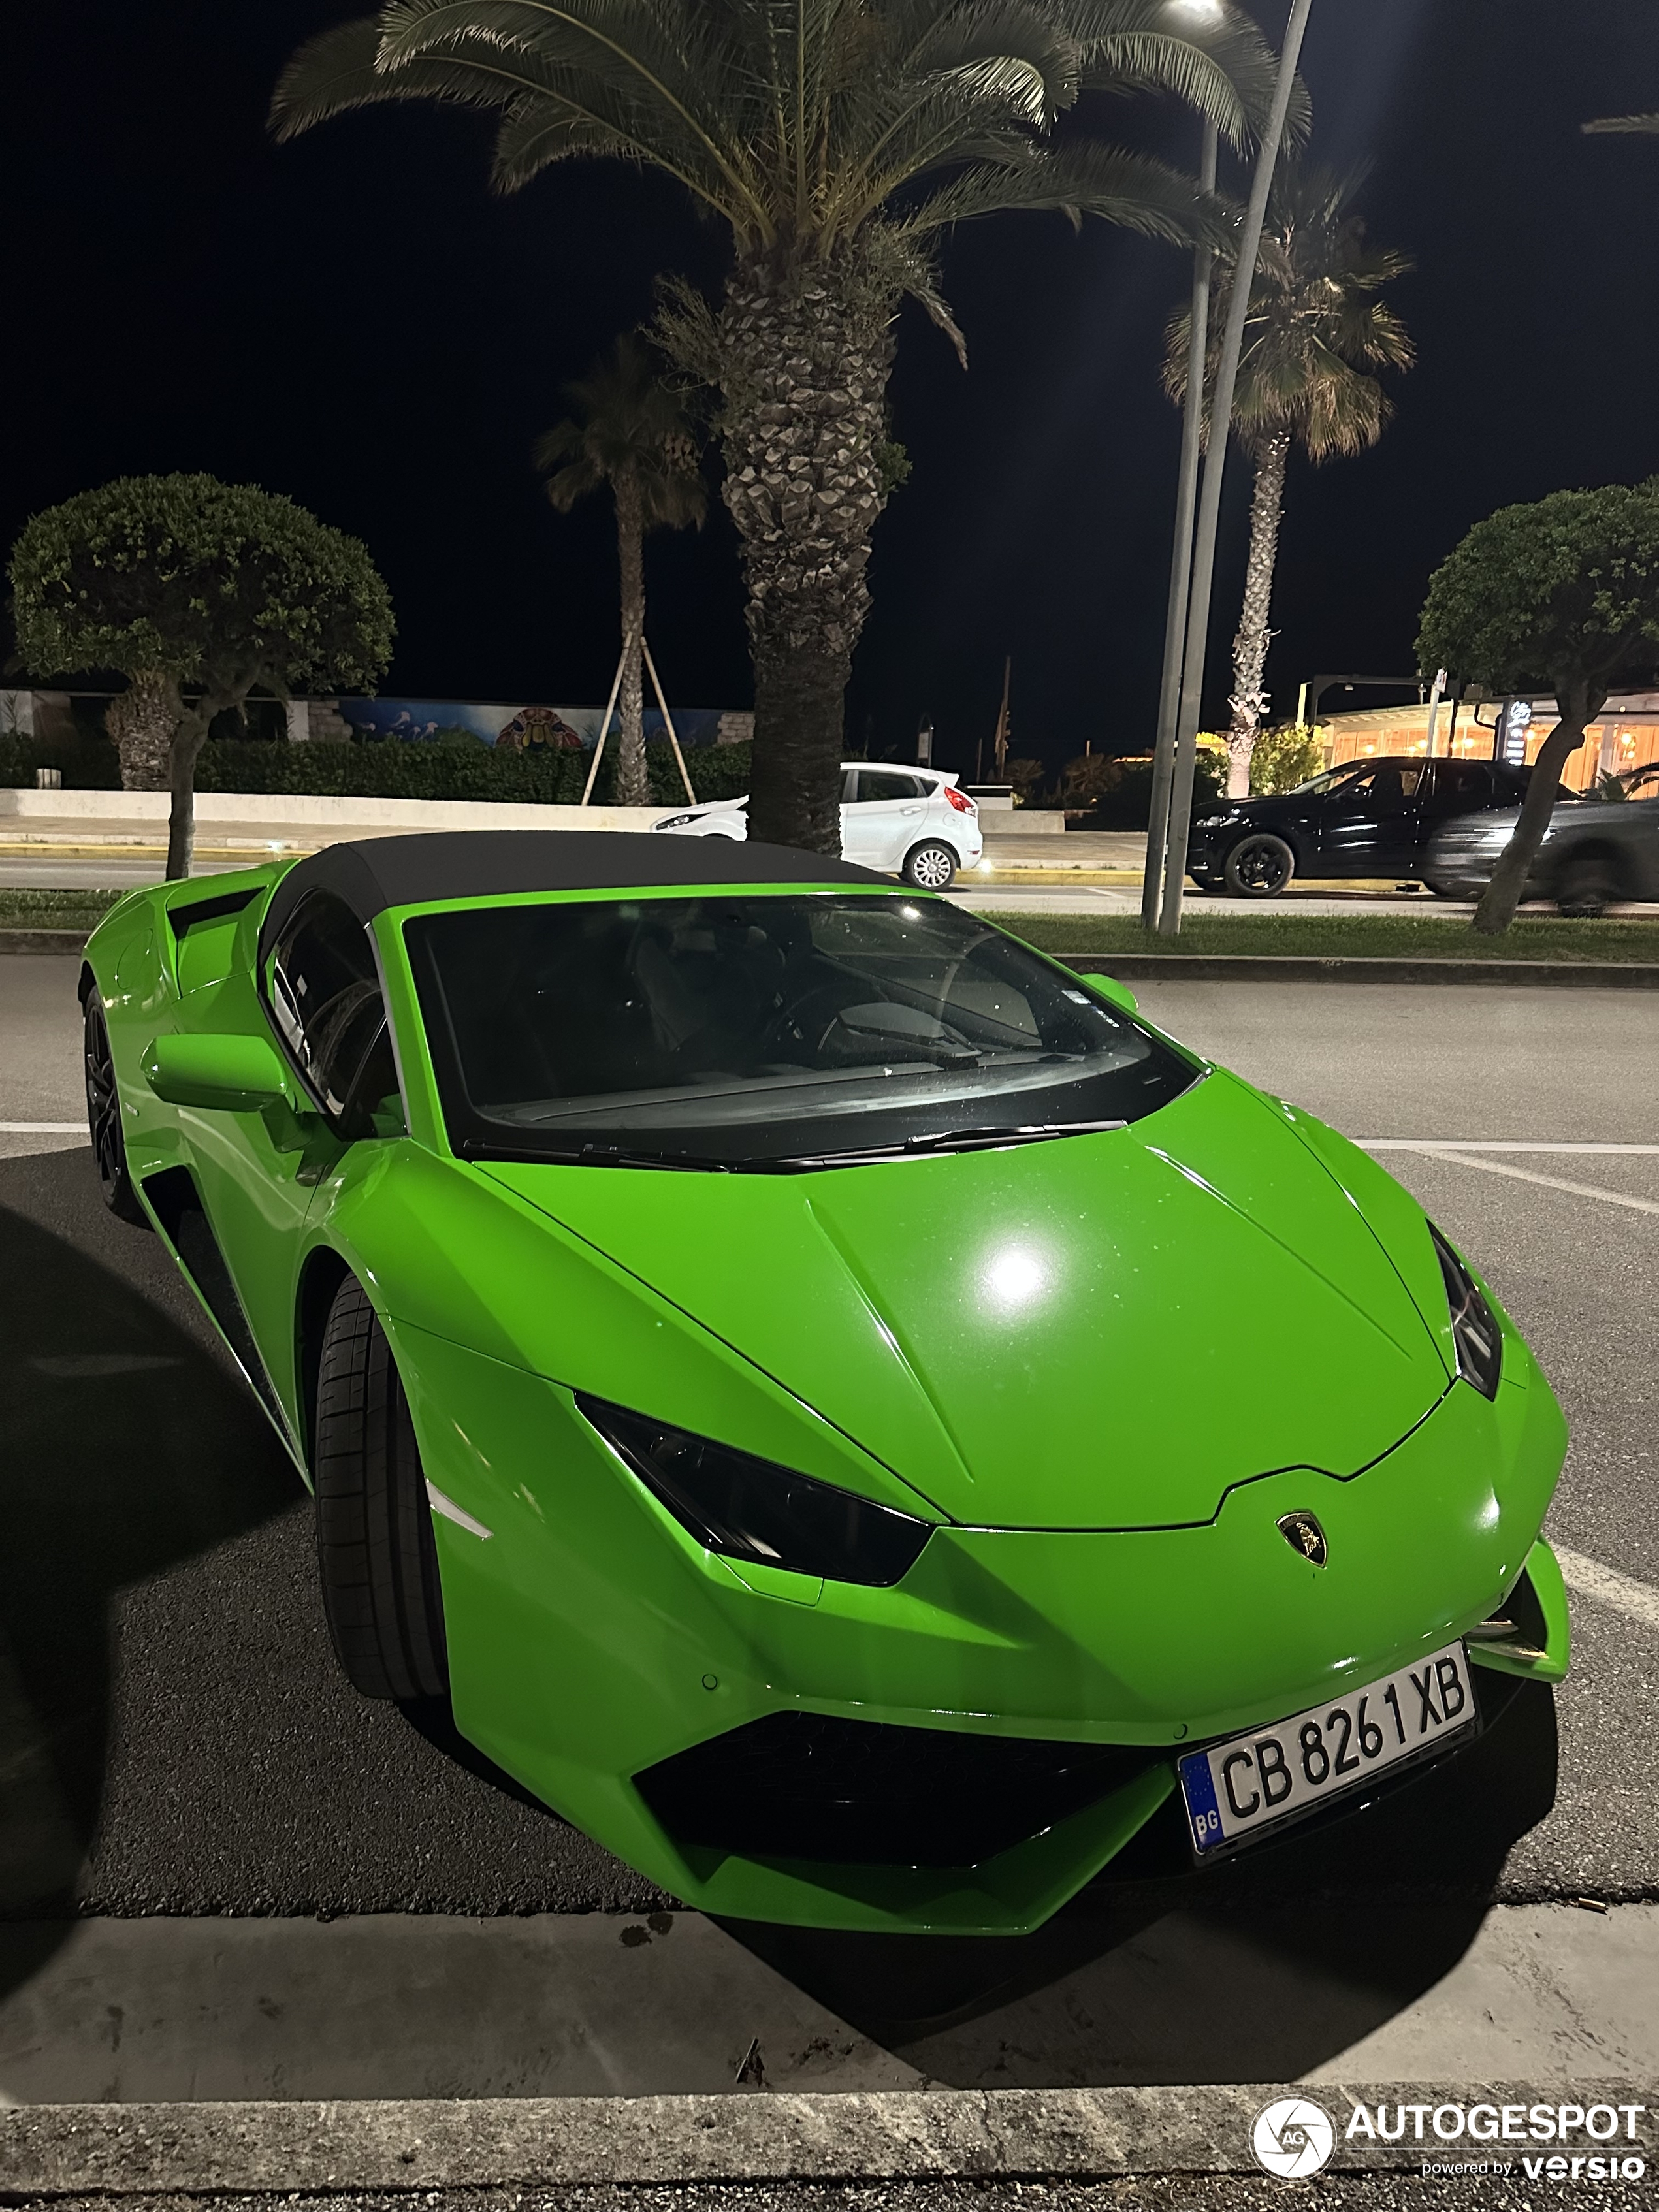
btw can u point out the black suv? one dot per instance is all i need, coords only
(1370, 817)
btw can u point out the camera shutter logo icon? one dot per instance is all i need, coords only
(1293, 2137)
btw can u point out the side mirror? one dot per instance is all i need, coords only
(1119, 994)
(234, 1074)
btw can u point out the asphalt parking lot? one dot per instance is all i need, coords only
(178, 1742)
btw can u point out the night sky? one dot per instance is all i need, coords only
(355, 320)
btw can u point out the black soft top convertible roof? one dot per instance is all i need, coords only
(373, 873)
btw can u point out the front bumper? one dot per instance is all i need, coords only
(595, 1648)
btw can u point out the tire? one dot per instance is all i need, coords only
(375, 1551)
(109, 1144)
(1442, 890)
(1589, 884)
(1259, 866)
(930, 866)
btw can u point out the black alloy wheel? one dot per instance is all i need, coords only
(1260, 866)
(1589, 884)
(375, 1550)
(109, 1146)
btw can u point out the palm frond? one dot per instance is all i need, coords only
(628, 425)
(639, 73)
(1132, 190)
(338, 70)
(807, 123)
(1226, 71)
(1318, 332)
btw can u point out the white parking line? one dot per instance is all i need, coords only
(1635, 1600)
(1480, 1145)
(43, 1129)
(1526, 1175)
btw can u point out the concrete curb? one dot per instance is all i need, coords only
(43, 940)
(1285, 967)
(56, 2150)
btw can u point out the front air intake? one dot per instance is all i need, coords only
(807, 1786)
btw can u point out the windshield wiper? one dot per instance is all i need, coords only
(589, 1155)
(999, 1138)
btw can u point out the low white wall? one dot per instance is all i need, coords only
(255, 810)
(280, 809)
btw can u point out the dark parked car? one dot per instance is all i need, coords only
(1593, 855)
(1370, 817)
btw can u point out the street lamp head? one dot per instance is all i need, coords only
(1198, 11)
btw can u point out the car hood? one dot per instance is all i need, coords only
(1099, 1332)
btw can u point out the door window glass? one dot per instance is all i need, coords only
(325, 1001)
(1461, 785)
(1387, 786)
(885, 783)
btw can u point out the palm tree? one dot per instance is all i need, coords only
(837, 140)
(631, 432)
(1317, 336)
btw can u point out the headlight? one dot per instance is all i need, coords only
(1214, 820)
(748, 1508)
(674, 822)
(1474, 1326)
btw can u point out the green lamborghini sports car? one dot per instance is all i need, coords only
(848, 1414)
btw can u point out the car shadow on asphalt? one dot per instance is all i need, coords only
(126, 1444)
(1257, 1970)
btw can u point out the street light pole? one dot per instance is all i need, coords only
(1180, 560)
(1215, 462)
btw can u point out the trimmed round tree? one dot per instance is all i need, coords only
(1561, 595)
(184, 583)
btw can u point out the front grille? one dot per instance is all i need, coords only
(860, 1793)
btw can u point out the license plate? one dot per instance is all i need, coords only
(1237, 1790)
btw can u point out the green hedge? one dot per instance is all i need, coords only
(396, 769)
(393, 769)
(92, 766)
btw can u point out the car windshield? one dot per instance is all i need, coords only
(764, 1031)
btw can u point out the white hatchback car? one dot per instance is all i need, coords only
(908, 822)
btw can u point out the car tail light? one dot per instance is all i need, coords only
(959, 799)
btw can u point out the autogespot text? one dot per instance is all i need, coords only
(1573, 2126)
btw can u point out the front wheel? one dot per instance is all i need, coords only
(109, 1144)
(375, 1551)
(1442, 890)
(1260, 866)
(931, 866)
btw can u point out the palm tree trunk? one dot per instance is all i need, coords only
(633, 782)
(141, 720)
(1249, 701)
(805, 358)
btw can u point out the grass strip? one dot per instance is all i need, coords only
(1345, 937)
